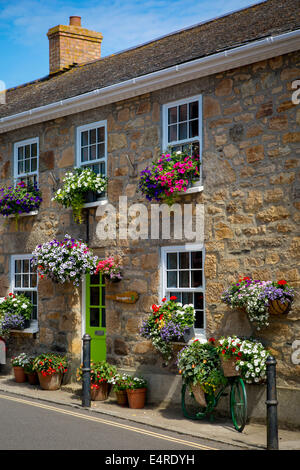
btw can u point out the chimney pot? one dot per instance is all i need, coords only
(75, 20)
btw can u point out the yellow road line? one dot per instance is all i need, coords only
(110, 423)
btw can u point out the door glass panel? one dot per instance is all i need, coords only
(94, 316)
(103, 318)
(94, 280)
(94, 296)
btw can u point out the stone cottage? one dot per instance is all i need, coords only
(224, 88)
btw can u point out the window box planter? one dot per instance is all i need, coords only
(23, 200)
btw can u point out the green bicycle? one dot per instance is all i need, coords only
(192, 409)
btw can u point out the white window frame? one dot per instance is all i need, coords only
(200, 332)
(33, 322)
(80, 164)
(197, 186)
(23, 143)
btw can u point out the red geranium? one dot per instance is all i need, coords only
(282, 282)
(173, 297)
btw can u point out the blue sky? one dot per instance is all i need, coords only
(123, 23)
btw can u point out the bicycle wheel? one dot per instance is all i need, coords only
(238, 404)
(190, 407)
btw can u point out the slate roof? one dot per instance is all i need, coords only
(267, 18)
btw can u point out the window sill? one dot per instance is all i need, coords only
(193, 189)
(24, 214)
(101, 202)
(27, 331)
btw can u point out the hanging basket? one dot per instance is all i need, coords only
(228, 366)
(199, 394)
(277, 308)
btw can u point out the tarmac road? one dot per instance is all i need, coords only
(28, 424)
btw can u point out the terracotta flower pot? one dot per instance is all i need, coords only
(101, 393)
(122, 399)
(136, 397)
(50, 382)
(20, 375)
(32, 378)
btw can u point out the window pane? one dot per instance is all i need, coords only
(193, 128)
(183, 131)
(33, 280)
(183, 112)
(196, 278)
(194, 110)
(92, 136)
(171, 278)
(25, 280)
(199, 323)
(172, 115)
(27, 166)
(100, 134)
(34, 150)
(18, 280)
(21, 167)
(84, 138)
(171, 260)
(102, 168)
(93, 154)
(25, 266)
(84, 154)
(101, 150)
(18, 266)
(20, 153)
(187, 298)
(184, 279)
(27, 151)
(172, 133)
(184, 260)
(34, 164)
(196, 259)
(198, 300)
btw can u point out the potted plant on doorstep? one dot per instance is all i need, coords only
(50, 368)
(64, 261)
(136, 392)
(110, 269)
(120, 384)
(168, 323)
(259, 299)
(19, 363)
(15, 313)
(77, 185)
(31, 374)
(102, 375)
(200, 368)
(169, 176)
(21, 199)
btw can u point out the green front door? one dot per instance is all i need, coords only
(95, 316)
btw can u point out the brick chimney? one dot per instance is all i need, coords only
(72, 44)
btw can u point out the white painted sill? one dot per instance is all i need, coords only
(193, 189)
(27, 331)
(101, 202)
(24, 214)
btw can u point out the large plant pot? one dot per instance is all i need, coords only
(277, 308)
(229, 367)
(50, 382)
(199, 394)
(121, 396)
(101, 393)
(137, 397)
(20, 375)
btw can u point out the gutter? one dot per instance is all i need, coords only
(242, 55)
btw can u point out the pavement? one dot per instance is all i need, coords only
(253, 437)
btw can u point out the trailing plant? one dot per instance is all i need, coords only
(75, 186)
(169, 176)
(19, 199)
(168, 322)
(50, 363)
(64, 261)
(255, 297)
(14, 310)
(199, 363)
(109, 268)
